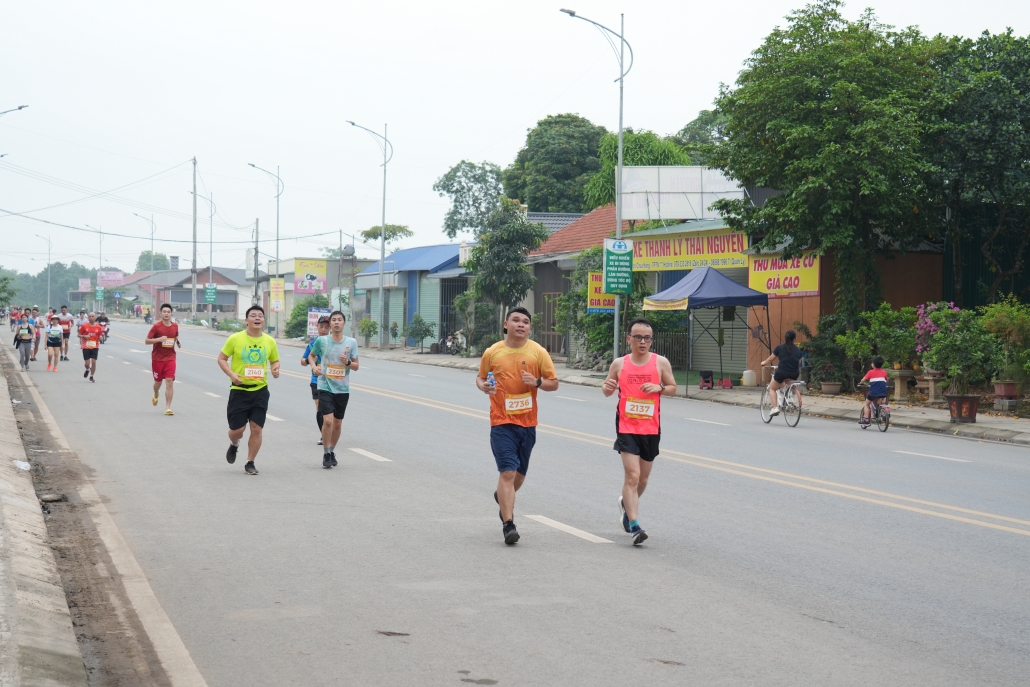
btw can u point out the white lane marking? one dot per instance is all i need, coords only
(126, 362)
(709, 422)
(217, 396)
(273, 418)
(171, 652)
(415, 375)
(112, 357)
(369, 454)
(133, 350)
(569, 529)
(570, 398)
(927, 455)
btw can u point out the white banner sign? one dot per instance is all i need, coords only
(650, 193)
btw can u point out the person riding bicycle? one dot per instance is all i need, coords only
(788, 367)
(877, 378)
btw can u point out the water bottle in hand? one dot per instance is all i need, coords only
(490, 379)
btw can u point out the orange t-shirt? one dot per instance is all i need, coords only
(515, 402)
(92, 334)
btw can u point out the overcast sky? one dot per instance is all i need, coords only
(123, 94)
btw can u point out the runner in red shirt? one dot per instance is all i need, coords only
(89, 340)
(164, 337)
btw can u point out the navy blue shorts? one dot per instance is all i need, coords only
(512, 445)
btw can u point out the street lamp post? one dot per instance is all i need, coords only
(279, 187)
(49, 246)
(15, 109)
(153, 297)
(386, 146)
(100, 260)
(623, 71)
(211, 247)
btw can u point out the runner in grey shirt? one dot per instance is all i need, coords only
(339, 355)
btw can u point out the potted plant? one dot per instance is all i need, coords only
(966, 352)
(368, 328)
(1009, 320)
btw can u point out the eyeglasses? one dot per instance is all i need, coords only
(641, 338)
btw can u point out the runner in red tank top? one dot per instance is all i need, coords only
(641, 378)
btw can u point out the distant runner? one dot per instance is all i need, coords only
(323, 330)
(164, 337)
(54, 341)
(89, 337)
(244, 359)
(339, 356)
(641, 378)
(67, 320)
(38, 324)
(510, 372)
(24, 335)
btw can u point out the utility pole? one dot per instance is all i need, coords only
(49, 246)
(256, 225)
(211, 250)
(193, 294)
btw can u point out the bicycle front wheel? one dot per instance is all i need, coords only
(883, 420)
(792, 406)
(766, 407)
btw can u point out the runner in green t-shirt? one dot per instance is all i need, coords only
(244, 359)
(338, 354)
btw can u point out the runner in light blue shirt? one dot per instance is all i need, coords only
(332, 358)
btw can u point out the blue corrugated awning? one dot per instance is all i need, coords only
(705, 287)
(422, 259)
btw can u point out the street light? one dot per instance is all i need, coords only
(623, 71)
(385, 145)
(48, 247)
(153, 296)
(100, 260)
(279, 187)
(211, 251)
(20, 107)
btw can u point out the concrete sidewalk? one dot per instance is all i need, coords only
(37, 642)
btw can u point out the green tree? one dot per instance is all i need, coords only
(394, 232)
(474, 191)
(7, 292)
(498, 261)
(419, 330)
(297, 325)
(828, 111)
(160, 262)
(638, 148)
(552, 169)
(707, 129)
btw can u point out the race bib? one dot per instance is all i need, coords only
(168, 343)
(335, 371)
(254, 371)
(640, 408)
(65, 327)
(90, 343)
(517, 404)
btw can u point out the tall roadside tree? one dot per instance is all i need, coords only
(828, 111)
(497, 263)
(143, 261)
(394, 232)
(552, 169)
(474, 191)
(707, 129)
(638, 148)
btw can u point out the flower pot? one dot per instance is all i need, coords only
(963, 407)
(915, 366)
(897, 366)
(830, 388)
(1006, 389)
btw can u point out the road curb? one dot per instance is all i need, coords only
(37, 642)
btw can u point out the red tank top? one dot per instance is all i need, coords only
(638, 413)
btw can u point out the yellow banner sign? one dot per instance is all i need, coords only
(309, 276)
(277, 294)
(597, 300)
(784, 278)
(665, 305)
(720, 248)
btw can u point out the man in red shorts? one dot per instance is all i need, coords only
(164, 337)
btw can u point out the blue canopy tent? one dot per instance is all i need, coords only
(707, 287)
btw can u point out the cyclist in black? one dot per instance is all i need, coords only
(788, 367)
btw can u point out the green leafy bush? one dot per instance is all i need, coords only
(963, 349)
(1009, 320)
(419, 330)
(297, 325)
(368, 328)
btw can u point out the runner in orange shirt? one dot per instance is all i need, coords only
(510, 372)
(89, 340)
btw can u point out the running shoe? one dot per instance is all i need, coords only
(319, 442)
(333, 458)
(48, 367)
(92, 380)
(327, 460)
(774, 412)
(624, 520)
(511, 535)
(251, 470)
(639, 535)
(230, 455)
(153, 401)
(86, 373)
(55, 368)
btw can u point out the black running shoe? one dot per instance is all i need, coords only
(639, 535)
(332, 457)
(86, 373)
(92, 380)
(327, 461)
(624, 521)
(249, 468)
(511, 535)
(230, 455)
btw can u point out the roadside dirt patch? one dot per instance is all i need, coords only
(115, 648)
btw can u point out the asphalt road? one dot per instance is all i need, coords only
(821, 554)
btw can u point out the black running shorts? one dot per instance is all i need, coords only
(332, 404)
(90, 353)
(643, 445)
(247, 406)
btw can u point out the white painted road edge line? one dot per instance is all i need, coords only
(273, 418)
(567, 398)
(570, 530)
(369, 454)
(217, 396)
(173, 654)
(411, 374)
(707, 422)
(927, 455)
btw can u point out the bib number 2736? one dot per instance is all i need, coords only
(516, 404)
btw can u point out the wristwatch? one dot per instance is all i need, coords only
(662, 384)
(539, 381)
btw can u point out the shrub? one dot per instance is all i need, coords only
(1009, 320)
(962, 348)
(297, 325)
(827, 358)
(419, 330)
(368, 328)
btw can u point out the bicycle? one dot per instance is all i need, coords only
(789, 403)
(881, 414)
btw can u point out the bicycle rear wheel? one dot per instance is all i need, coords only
(766, 406)
(792, 406)
(883, 419)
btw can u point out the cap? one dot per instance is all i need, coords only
(323, 318)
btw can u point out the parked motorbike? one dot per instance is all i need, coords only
(456, 343)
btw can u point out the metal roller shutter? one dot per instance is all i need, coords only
(705, 352)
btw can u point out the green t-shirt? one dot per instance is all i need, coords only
(249, 358)
(335, 378)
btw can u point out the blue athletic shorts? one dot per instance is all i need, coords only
(512, 445)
